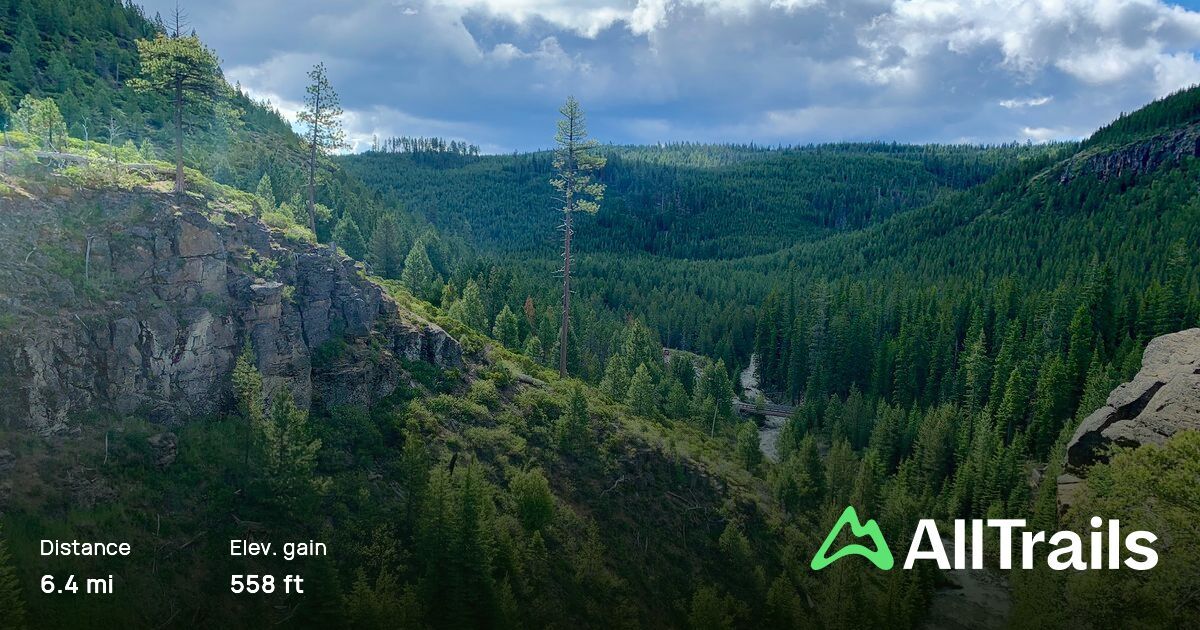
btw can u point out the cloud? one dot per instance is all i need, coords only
(1015, 103)
(768, 71)
(1044, 134)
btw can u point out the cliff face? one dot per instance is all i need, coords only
(140, 306)
(1161, 400)
(1137, 157)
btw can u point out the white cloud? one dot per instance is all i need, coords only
(1016, 103)
(1094, 41)
(729, 70)
(1046, 134)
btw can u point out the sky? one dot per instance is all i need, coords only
(494, 72)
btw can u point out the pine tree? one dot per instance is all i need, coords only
(1079, 353)
(641, 395)
(715, 396)
(40, 118)
(414, 467)
(185, 71)
(506, 329)
(864, 495)
(1050, 407)
(385, 248)
(289, 451)
(265, 192)
(1014, 404)
(976, 366)
(468, 309)
(533, 349)
(575, 435)
(475, 586)
(683, 371)
(749, 453)
(534, 501)
(349, 238)
(419, 277)
(1096, 389)
(641, 347)
(1178, 274)
(575, 164)
(248, 389)
(616, 378)
(449, 295)
(322, 116)
(677, 403)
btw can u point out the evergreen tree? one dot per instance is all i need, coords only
(533, 349)
(419, 277)
(265, 192)
(186, 72)
(534, 501)
(1079, 355)
(976, 366)
(677, 404)
(616, 378)
(575, 435)
(1050, 407)
(322, 117)
(289, 451)
(641, 395)
(748, 451)
(683, 371)
(248, 389)
(506, 329)
(40, 118)
(468, 309)
(714, 396)
(385, 247)
(574, 164)
(349, 238)
(1178, 276)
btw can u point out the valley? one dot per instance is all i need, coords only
(308, 386)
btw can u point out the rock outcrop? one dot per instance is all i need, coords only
(182, 291)
(1161, 400)
(1135, 158)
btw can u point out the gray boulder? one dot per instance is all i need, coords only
(1161, 400)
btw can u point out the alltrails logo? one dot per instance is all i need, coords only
(1066, 548)
(881, 556)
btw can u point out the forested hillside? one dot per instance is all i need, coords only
(946, 347)
(194, 366)
(682, 201)
(83, 56)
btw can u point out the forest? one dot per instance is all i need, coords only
(941, 317)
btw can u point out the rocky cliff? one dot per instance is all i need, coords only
(129, 303)
(1161, 400)
(1135, 158)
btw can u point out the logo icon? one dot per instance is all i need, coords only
(880, 556)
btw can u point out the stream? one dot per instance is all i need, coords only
(974, 599)
(768, 432)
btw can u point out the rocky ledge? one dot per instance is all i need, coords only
(182, 291)
(1161, 400)
(1136, 158)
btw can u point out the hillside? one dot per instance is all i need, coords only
(953, 346)
(740, 202)
(419, 433)
(183, 370)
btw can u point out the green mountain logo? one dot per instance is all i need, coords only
(880, 556)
